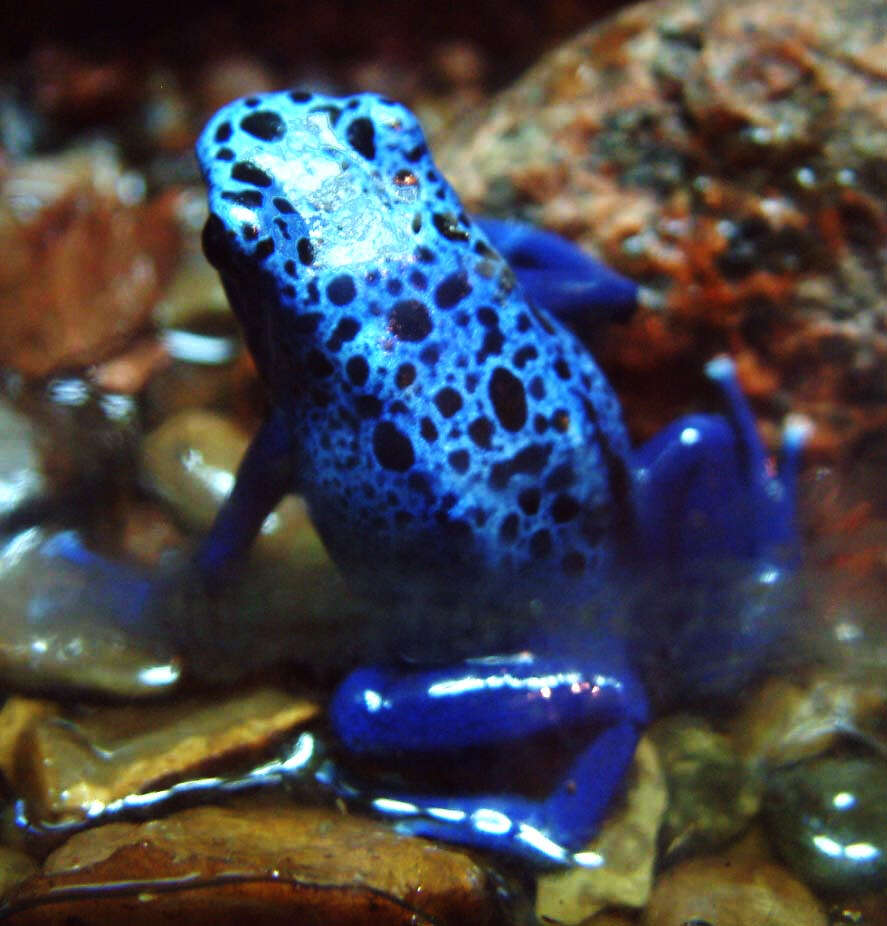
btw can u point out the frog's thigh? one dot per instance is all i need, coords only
(484, 701)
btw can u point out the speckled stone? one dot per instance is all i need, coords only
(730, 156)
(828, 819)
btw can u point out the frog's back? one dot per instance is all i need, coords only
(440, 419)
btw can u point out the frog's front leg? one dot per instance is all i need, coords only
(265, 475)
(496, 702)
(560, 276)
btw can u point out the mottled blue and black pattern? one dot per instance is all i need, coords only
(464, 459)
(445, 421)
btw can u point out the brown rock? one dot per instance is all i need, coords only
(713, 792)
(612, 918)
(69, 767)
(191, 460)
(870, 910)
(81, 274)
(731, 891)
(256, 863)
(129, 372)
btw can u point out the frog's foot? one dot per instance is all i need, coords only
(560, 276)
(707, 491)
(496, 702)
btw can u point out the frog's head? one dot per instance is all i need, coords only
(308, 192)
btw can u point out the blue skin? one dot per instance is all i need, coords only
(463, 456)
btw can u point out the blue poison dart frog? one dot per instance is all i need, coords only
(464, 459)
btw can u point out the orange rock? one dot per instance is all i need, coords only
(81, 277)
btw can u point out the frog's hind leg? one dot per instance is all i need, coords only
(560, 276)
(716, 525)
(496, 702)
(705, 488)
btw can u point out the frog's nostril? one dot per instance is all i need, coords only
(213, 240)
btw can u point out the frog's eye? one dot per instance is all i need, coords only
(405, 178)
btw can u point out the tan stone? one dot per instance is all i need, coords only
(731, 891)
(786, 721)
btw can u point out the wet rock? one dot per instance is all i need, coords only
(828, 819)
(621, 857)
(71, 766)
(57, 625)
(785, 720)
(16, 716)
(869, 910)
(713, 793)
(15, 866)
(191, 461)
(291, 604)
(81, 435)
(730, 157)
(611, 918)
(84, 262)
(258, 863)
(731, 891)
(22, 481)
(149, 533)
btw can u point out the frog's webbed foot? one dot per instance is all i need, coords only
(560, 276)
(495, 702)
